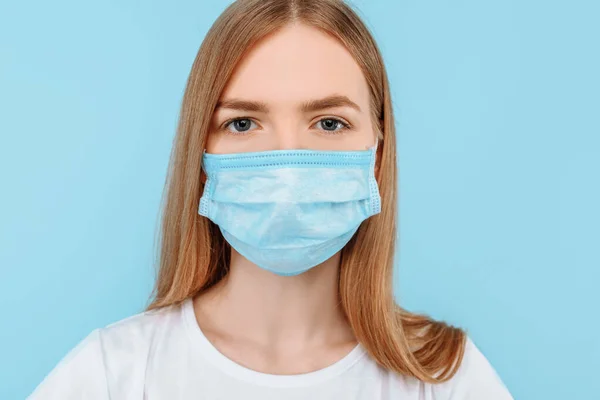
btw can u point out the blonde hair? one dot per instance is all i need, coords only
(193, 253)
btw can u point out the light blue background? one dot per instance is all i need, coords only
(497, 107)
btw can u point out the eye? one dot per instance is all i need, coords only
(240, 124)
(330, 125)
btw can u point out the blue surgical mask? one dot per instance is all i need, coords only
(289, 210)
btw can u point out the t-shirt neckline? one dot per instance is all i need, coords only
(241, 372)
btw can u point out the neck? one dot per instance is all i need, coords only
(261, 307)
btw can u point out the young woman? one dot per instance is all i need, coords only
(278, 235)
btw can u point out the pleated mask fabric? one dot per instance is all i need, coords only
(289, 210)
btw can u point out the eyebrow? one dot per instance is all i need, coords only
(306, 107)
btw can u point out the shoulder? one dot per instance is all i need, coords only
(137, 331)
(79, 374)
(118, 349)
(475, 378)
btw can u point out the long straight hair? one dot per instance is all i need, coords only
(194, 255)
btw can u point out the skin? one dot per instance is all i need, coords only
(263, 321)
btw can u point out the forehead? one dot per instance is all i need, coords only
(295, 64)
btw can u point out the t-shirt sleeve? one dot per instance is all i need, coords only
(79, 375)
(476, 379)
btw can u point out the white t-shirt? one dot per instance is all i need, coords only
(163, 354)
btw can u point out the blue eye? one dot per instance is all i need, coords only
(334, 122)
(242, 125)
(239, 123)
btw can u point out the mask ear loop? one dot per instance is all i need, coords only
(374, 147)
(375, 198)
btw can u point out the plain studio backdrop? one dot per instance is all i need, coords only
(497, 110)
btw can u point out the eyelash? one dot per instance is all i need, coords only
(344, 126)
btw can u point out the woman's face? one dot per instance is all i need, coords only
(297, 89)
